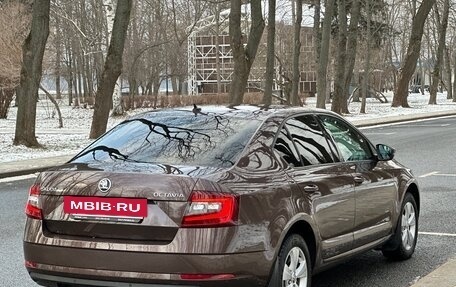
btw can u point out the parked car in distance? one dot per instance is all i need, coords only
(211, 196)
(418, 89)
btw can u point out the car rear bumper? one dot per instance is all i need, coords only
(48, 265)
(57, 280)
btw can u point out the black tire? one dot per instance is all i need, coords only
(291, 242)
(395, 248)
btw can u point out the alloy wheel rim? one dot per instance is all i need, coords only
(408, 224)
(295, 269)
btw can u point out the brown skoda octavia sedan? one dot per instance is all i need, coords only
(219, 197)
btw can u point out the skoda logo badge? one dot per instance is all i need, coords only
(104, 185)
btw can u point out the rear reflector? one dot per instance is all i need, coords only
(33, 207)
(211, 209)
(206, 276)
(30, 264)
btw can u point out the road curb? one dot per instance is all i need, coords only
(23, 172)
(357, 123)
(444, 276)
(30, 166)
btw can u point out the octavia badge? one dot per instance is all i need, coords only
(104, 185)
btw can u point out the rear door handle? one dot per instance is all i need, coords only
(311, 188)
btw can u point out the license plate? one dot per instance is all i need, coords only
(105, 206)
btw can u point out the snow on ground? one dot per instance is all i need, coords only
(417, 102)
(65, 141)
(74, 136)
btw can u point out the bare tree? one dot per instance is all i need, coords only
(448, 74)
(14, 23)
(56, 105)
(352, 43)
(270, 58)
(58, 57)
(324, 54)
(27, 92)
(243, 56)
(413, 52)
(112, 69)
(436, 74)
(117, 108)
(454, 73)
(296, 54)
(339, 103)
(365, 85)
(317, 30)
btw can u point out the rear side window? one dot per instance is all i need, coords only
(175, 138)
(351, 144)
(301, 142)
(285, 148)
(310, 140)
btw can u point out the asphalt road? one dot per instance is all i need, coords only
(426, 147)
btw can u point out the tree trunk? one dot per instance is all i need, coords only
(413, 52)
(270, 58)
(112, 69)
(174, 82)
(6, 97)
(324, 54)
(243, 57)
(448, 76)
(31, 71)
(365, 88)
(70, 72)
(437, 74)
(80, 92)
(84, 76)
(423, 77)
(294, 101)
(316, 31)
(51, 98)
(58, 57)
(352, 44)
(339, 103)
(116, 98)
(454, 73)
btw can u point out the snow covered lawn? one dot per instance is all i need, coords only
(74, 136)
(417, 102)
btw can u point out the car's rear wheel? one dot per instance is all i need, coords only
(293, 265)
(402, 244)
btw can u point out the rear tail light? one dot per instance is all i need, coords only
(211, 209)
(33, 207)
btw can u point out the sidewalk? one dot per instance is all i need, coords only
(444, 276)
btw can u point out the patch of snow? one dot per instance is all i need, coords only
(56, 141)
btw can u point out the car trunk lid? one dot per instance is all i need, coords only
(165, 195)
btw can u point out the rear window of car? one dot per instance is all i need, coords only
(174, 138)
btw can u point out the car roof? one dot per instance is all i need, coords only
(243, 111)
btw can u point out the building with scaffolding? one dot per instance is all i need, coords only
(211, 65)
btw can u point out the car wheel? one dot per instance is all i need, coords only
(402, 245)
(293, 265)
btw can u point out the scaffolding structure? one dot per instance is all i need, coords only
(197, 54)
(211, 73)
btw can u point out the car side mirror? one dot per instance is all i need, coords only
(385, 152)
